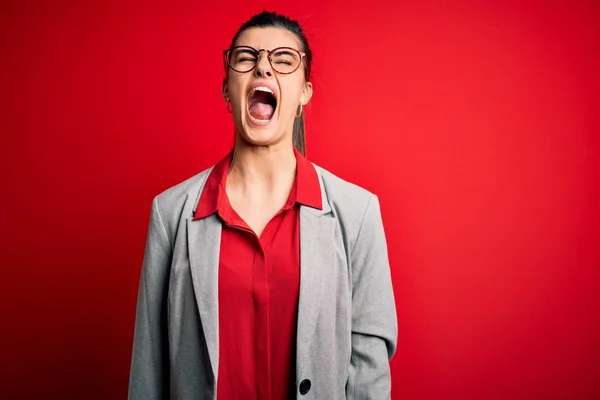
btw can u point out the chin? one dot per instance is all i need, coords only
(260, 133)
(259, 136)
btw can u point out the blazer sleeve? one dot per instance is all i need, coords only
(374, 323)
(149, 374)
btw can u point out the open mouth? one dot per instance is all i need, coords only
(262, 104)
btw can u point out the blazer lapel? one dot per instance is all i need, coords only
(316, 235)
(317, 231)
(204, 240)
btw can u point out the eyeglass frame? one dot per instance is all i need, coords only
(257, 51)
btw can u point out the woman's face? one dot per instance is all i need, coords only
(261, 118)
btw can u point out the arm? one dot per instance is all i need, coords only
(374, 324)
(149, 375)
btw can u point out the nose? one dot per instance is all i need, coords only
(263, 66)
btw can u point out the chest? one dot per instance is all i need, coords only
(245, 257)
(256, 212)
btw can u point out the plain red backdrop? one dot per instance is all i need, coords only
(475, 122)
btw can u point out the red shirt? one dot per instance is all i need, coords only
(259, 280)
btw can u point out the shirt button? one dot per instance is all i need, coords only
(304, 386)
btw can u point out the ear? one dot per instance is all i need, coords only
(307, 92)
(225, 88)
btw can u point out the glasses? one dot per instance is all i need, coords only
(283, 60)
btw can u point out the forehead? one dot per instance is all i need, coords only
(268, 38)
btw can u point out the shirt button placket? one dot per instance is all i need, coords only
(261, 302)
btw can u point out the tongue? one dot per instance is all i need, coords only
(262, 111)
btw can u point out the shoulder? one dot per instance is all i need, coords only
(178, 201)
(353, 206)
(342, 194)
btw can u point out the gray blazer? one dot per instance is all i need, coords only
(347, 327)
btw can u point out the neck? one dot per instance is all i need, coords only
(265, 167)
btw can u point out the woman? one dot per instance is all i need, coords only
(265, 276)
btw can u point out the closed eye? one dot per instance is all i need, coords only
(284, 53)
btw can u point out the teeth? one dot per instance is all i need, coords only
(262, 89)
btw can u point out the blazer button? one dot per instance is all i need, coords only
(304, 386)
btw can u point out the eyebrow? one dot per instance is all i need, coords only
(245, 50)
(286, 52)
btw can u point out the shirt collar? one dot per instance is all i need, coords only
(306, 189)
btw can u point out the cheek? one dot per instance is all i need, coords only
(291, 96)
(235, 86)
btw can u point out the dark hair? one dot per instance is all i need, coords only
(270, 19)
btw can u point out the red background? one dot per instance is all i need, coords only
(475, 122)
